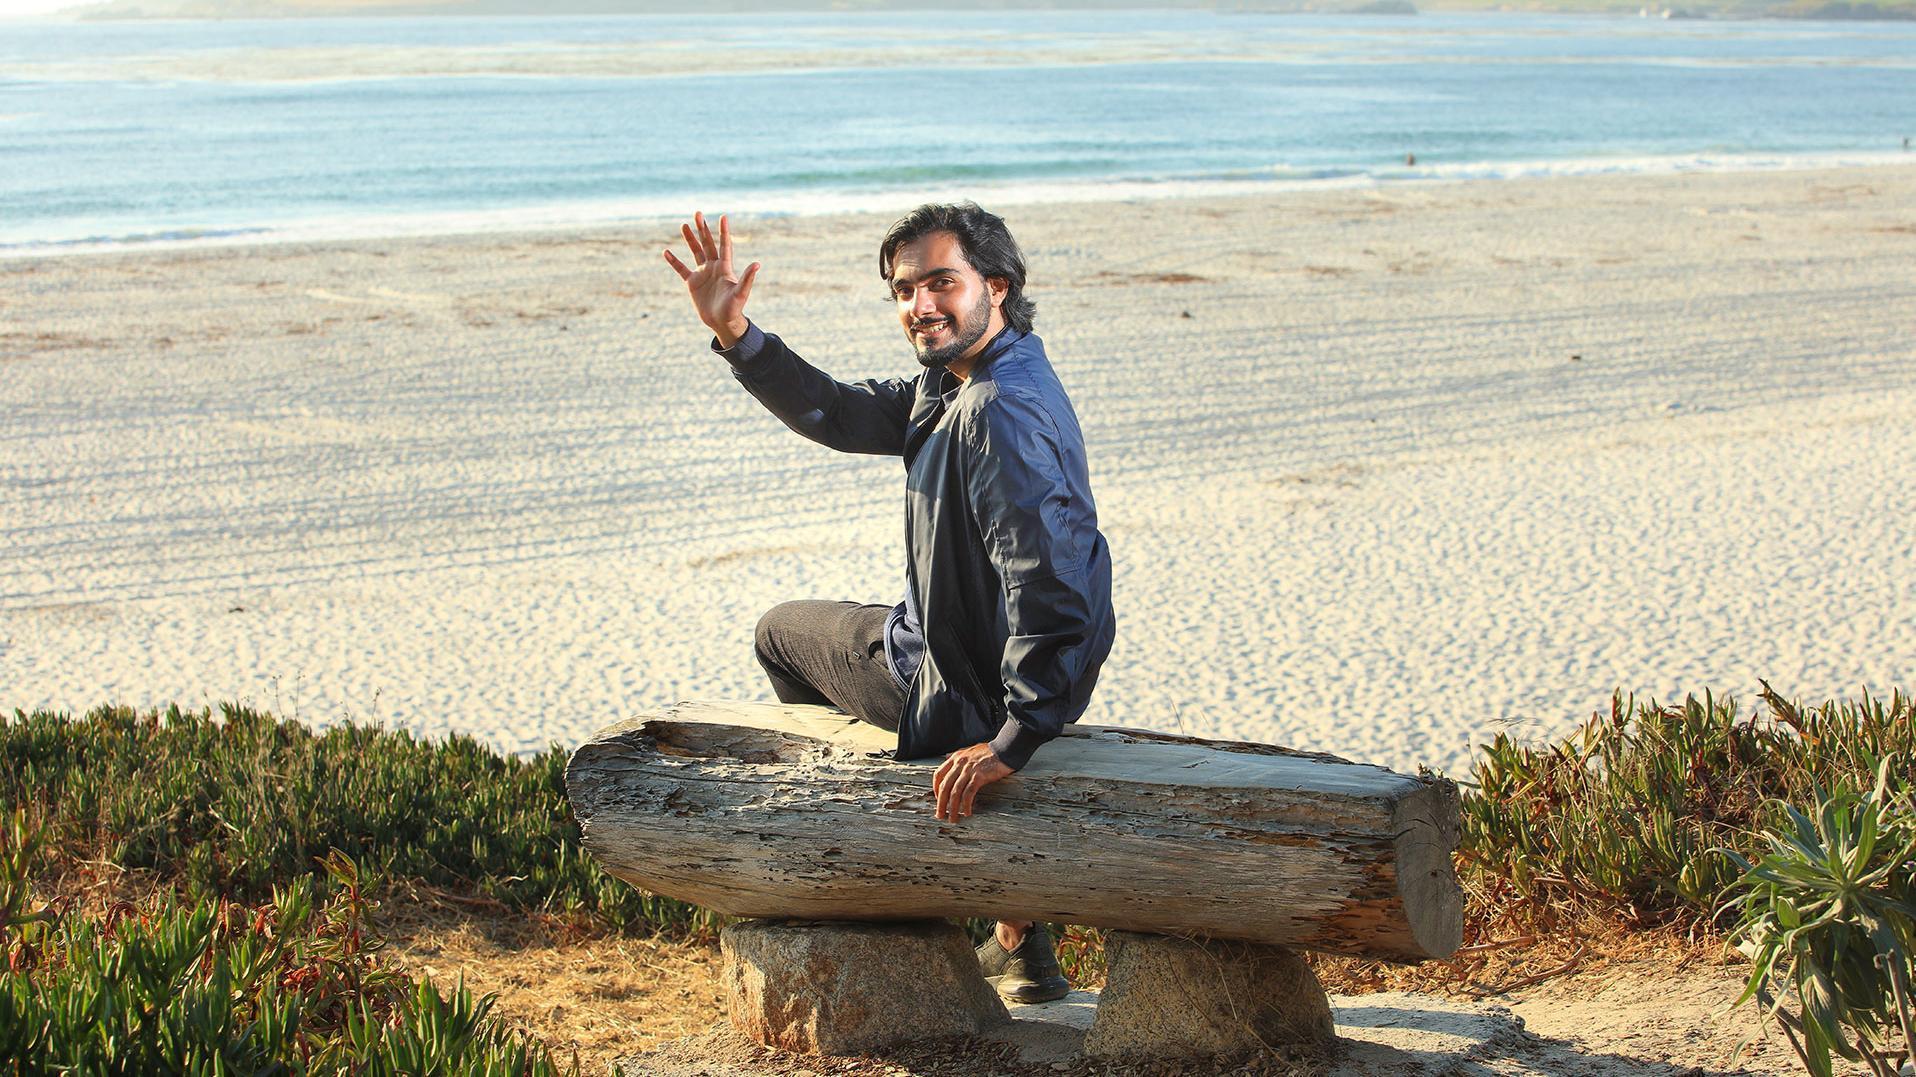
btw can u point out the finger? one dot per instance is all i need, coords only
(725, 241)
(745, 282)
(692, 241)
(705, 233)
(948, 796)
(940, 788)
(684, 273)
(968, 798)
(953, 789)
(957, 806)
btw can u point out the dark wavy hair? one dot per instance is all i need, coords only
(987, 244)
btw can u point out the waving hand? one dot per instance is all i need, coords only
(717, 292)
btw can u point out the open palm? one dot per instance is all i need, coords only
(717, 292)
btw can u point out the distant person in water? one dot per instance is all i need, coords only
(1006, 618)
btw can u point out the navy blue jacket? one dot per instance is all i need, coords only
(1004, 560)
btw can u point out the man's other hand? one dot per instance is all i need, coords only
(717, 292)
(961, 775)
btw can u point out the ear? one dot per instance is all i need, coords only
(999, 287)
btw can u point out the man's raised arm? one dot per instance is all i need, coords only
(863, 417)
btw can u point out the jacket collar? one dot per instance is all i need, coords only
(1007, 339)
(942, 384)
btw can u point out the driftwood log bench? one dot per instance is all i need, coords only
(1214, 861)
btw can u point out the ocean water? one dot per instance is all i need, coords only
(117, 135)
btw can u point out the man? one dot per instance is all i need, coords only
(1007, 612)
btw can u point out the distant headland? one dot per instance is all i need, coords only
(257, 9)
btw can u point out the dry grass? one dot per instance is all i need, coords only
(1510, 962)
(590, 996)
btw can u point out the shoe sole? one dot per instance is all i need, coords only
(1028, 992)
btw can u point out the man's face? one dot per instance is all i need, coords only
(949, 312)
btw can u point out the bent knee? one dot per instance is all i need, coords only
(777, 623)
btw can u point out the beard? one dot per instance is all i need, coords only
(964, 332)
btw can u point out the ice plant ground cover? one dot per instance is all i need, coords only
(1623, 815)
(235, 804)
(293, 984)
(1794, 828)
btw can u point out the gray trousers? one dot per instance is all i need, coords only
(832, 653)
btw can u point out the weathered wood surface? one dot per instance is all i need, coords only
(770, 810)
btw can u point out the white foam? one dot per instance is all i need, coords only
(1648, 165)
(1278, 179)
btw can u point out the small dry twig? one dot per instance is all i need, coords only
(1481, 991)
(1483, 947)
(469, 900)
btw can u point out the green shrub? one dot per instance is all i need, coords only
(1828, 914)
(213, 987)
(1621, 817)
(237, 805)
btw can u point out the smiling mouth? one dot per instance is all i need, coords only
(925, 329)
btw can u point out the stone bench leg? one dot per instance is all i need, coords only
(1171, 997)
(836, 988)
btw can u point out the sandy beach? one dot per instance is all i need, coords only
(1384, 471)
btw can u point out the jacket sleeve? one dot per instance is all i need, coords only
(1041, 539)
(862, 416)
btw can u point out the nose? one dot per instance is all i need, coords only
(922, 305)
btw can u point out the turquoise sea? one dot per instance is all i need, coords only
(117, 135)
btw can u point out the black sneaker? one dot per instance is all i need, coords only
(1028, 974)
